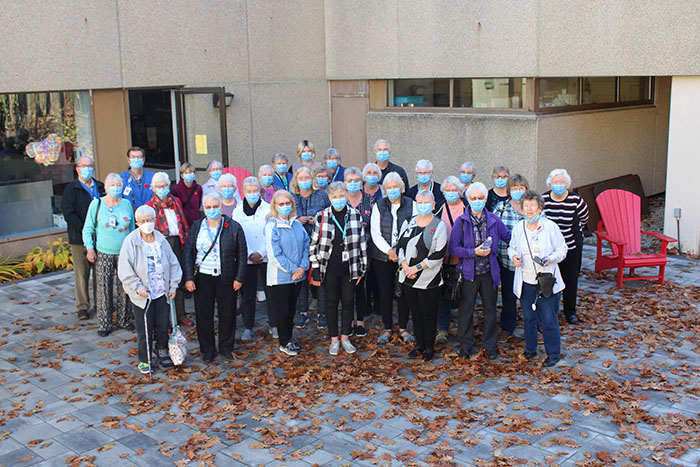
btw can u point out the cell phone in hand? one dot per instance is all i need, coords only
(487, 244)
(539, 260)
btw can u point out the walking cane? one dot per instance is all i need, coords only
(148, 344)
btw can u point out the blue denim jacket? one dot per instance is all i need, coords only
(287, 246)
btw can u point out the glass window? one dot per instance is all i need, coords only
(598, 90)
(42, 135)
(489, 93)
(558, 92)
(634, 88)
(420, 93)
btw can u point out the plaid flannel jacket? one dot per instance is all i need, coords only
(509, 216)
(355, 241)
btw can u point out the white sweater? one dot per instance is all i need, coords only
(254, 228)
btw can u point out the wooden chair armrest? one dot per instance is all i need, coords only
(660, 236)
(607, 237)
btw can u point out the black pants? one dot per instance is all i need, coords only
(424, 307)
(570, 269)
(481, 285)
(339, 288)
(509, 311)
(175, 244)
(211, 289)
(385, 277)
(361, 300)
(282, 299)
(158, 316)
(248, 294)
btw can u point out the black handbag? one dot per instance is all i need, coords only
(545, 280)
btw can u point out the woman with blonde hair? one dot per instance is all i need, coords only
(307, 157)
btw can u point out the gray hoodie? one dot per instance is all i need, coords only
(133, 266)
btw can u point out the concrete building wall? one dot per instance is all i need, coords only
(448, 140)
(487, 38)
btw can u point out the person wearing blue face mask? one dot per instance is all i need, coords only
(75, 201)
(371, 174)
(252, 215)
(322, 179)
(189, 193)
(538, 246)
(215, 169)
(137, 180)
(382, 152)
(467, 172)
(266, 176)
(498, 195)
(107, 223)
(171, 222)
(307, 157)
(338, 257)
(388, 215)
(308, 202)
(281, 176)
(570, 212)
(228, 187)
(471, 235)
(424, 176)
(421, 248)
(510, 214)
(215, 262)
(332, 161)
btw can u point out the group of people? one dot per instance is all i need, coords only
(338, 241)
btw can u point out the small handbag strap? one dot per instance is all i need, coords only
(528, 246)
(211, 247)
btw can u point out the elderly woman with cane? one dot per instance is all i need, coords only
(150, 274)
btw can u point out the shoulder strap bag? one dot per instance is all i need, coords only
(211, 247)
(545, 280)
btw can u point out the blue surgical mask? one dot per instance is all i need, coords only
(393, 194)
(306, 156)
(371, 180)
(306, 185)
(189, 177)
(213, 213)
(285, 210)
(516, 195)
(322, 181)
(332, 164)
(86, 173)
(383, 156)
(423, 179)
(266, 180)
(162, 192)
(339, 203)
(281, 168)
(215, 174)
(115, 191)
(465, 178)
(500, 182)
(424, 209)
(478, 205)
(136, 163)
(533, 220)
(558, 189)
(227, 192)
(252, 198)
(451, 196)
(353, 187)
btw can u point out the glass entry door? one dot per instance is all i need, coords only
(201, 124)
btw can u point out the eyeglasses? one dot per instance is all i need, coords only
(429, 172)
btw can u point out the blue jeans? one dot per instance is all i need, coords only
(444, 314)
(306, 293)
(546, 313)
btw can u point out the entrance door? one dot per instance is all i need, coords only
(201, 123)
(349, 106)
(150, 112)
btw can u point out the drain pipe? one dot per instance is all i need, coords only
(677, 215)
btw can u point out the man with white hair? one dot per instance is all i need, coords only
(171, 222)
(136, 181)
(75, 201)
(382, 152)
(424, 176)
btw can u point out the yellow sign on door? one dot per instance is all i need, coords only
(200, 144)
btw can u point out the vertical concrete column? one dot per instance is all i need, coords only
(683, 171)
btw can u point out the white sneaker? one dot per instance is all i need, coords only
(348, 347)
(333, 349)
(261, 296)
(289, 350)
(247, 335)
(273, 333)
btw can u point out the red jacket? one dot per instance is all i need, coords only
(191, 207)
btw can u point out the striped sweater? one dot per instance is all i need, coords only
(564, 214)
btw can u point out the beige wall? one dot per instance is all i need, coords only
(448, 140)
(500, 38)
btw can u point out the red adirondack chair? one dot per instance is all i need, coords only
(240, 175)
(621, 227)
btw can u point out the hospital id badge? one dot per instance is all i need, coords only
(127, 191)
(346, 256)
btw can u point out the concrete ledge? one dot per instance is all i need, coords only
(20, 245)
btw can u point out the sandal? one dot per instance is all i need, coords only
(406, 336)
(384, 337)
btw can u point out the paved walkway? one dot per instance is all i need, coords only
(626, 392)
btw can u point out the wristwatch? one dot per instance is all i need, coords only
(419, 267)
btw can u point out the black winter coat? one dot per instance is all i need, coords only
(233, 249)
(74, 204)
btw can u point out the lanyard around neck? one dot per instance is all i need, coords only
(283, 180)
(337, 224)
